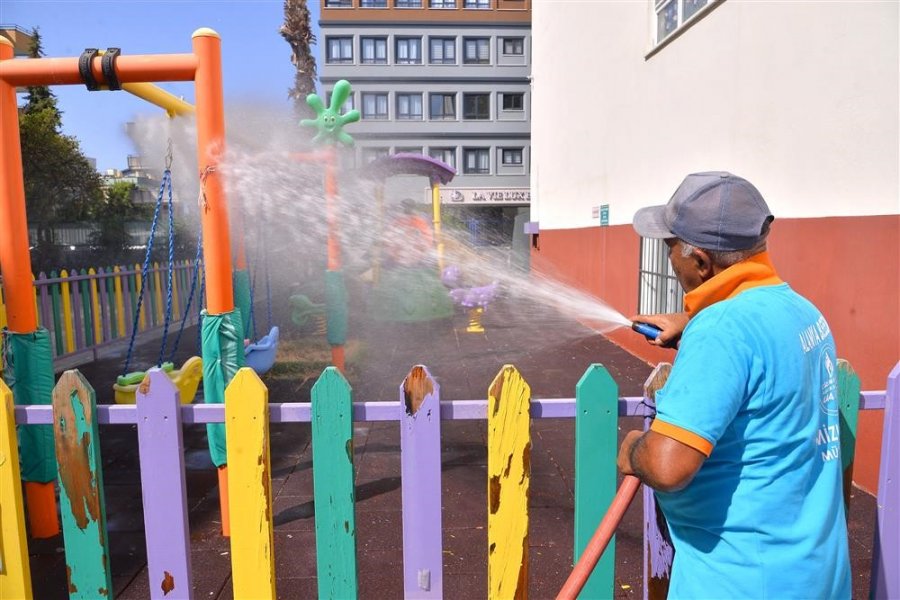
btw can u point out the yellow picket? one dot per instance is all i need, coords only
(15, 573)
(120, 301)
(95, 307)
(2, 310)
(157, 283)
(142, 322)
(249, 486)
(176, 308)
(67, 315)
(509, 473)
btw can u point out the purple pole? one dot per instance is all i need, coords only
(163, 487)
(420, 460)
(886, 549)
(77, 308)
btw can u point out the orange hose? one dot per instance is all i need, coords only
(600, 539)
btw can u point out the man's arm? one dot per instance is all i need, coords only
(663, 463)
(671, 326)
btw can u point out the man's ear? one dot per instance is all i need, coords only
(704, 263)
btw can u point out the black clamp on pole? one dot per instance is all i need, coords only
(108, 63)
(84, 69)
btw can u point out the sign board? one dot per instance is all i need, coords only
(604, 215)
(485, 196)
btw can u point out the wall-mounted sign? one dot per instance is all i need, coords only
(485, 196)
(604, 215)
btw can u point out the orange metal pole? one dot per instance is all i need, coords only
(210, 145)
(210, 111)
(600, 539)
(15, 264)
(129, 69)
(331, 188)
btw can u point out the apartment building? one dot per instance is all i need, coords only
(444, 78)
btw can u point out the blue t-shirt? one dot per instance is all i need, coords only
(756, 376)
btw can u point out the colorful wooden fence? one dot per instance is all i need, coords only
(88, 309)
(508, 410)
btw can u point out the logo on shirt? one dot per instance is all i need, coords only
(829, 403)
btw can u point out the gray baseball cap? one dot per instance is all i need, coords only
(714, 211)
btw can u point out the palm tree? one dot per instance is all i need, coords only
(298, 34)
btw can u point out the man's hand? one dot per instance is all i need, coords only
(671, 326)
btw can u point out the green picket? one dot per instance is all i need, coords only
(848, 400)
(332, 434)
(81, 498)
(111, 304)
(596, 445)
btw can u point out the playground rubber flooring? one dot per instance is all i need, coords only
(551, 356)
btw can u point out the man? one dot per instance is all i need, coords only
(744, 453)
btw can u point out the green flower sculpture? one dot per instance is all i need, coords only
(329, 123)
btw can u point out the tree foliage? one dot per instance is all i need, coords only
(297, 32)
(60, 183)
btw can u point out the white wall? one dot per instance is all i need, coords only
(801, 98)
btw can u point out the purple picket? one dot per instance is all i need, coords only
(161, 448)
(420, 459)
(658, 549)
(100, 282)
(886, 549)
(76, 309)
(126, 299)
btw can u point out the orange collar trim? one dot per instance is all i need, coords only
(753, 272)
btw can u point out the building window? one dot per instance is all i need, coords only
(513, 101)
(409, 51)
(443, 51)
(659, 291)
(370, 154)
(477, 51)
(443, 107)
(373, 3)
(373, 50)
(445, 155)
(512, 156)
(338, 3)
(442, 3)
(340, 50)
(672, 14)
(476, 106)
(514, 46)
(477, 4)
(347, 106)
(409, 107)
(408, 150)
(407, 3)
(374, 105)
(476, 161)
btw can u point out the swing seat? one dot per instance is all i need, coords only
(186, 379)
(261, 356)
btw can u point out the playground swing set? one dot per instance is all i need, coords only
(223, 334)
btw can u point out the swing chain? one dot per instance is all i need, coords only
(169, 155)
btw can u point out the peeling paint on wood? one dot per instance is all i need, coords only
(81, 486)
(250, 486)
(509, 460)
(168, 583)
(658, 549)
(15, 574)
(420, 464)
(332, 436)
(596, 449)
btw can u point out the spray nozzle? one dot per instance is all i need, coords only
(651, 332)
